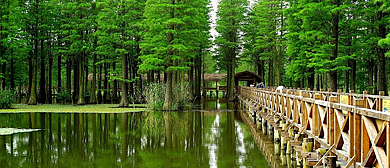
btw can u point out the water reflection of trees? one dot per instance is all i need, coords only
(117, 140)
(82, 140)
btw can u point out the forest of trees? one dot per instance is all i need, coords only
(321, 44)
(97, 49)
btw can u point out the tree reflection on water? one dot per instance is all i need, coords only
(209, 135)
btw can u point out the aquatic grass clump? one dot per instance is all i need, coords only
(155, 96)
(181, 97)
(6, 99)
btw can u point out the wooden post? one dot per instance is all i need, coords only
(379, 103)
(388, 144)
(260, 122)
(277, 140)
(216, 89)
(350, 97)
(270, 132)
(365, 105)
(254, 116)
(365, 145)
(283, 145)
(307, 146)
(264, 126)
(331, 122)
(357, 138)
(288, 154)
(316, 119)
(338, 95)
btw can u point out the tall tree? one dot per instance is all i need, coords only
(169, 38)
(231, 14)
(35, 29)
(383, 15)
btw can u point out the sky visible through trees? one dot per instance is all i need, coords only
(92, 51)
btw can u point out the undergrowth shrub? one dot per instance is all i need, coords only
(6, 99)
(63, 97)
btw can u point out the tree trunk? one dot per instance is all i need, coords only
(149, 76)
(12, 78)
(50, 80)
(124, 102)
(152, 76)
(260, 67)
(170, 75)
(382, 86)
(99, 92)
(271, 73)
(318, 82)
(115, 87)
(42, 82)
(198, 75)
(230, 74)
(311, 78)
(191, 80)
(168, 92)
(353, 75)
(1, 48)
(92, 100)
(182, 83)
(132, 74)
(86, 73)
(158, 77)
(325, 81)
(298, 83)
(347, 78)
(174, 76)
(4, 72)
(33, 96)
(335, 42)
(30, 74)
(80, 99)
(59, 81)
(370, 75)
(139, 86)
(106, 94)
(69, 76)
(349, 64)
(76, 82)
(375, 69)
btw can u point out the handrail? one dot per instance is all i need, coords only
(357, 125)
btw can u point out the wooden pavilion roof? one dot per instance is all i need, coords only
(247, 76)
(214, 77)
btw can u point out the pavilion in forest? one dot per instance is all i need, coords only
(247, 76)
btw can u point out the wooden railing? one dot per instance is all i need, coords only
(357, 125)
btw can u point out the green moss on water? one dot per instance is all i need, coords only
(56, 108)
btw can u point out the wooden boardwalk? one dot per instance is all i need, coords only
(352, 128)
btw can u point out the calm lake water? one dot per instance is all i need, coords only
(209, 135)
